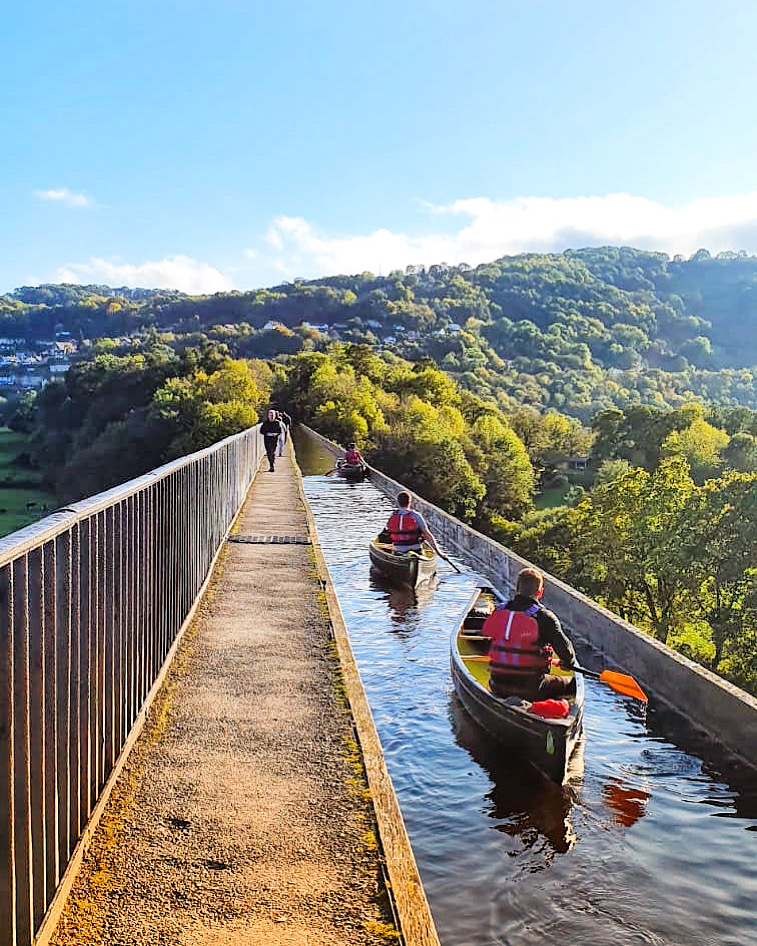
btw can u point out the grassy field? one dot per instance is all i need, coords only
(21, 500)
(551, 497)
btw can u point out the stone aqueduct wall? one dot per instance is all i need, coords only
(720, 709)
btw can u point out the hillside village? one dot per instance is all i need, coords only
(31, 364)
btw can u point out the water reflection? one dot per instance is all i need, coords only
(524, 803)
(403, 602)
(627, 804)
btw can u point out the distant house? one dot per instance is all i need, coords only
(572, 464)
(270, 324)
(62, 350)
(454, 329)
(30, 381)
(59, 368)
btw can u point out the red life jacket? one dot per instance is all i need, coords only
(515, 648)
(353, 456)
(403, 529)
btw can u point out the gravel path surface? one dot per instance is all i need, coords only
(242, 816)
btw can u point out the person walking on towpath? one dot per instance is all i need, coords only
(523, 634)
(271, 431)
(286, 422)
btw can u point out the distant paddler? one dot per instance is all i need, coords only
(408, 530)
(353, 456)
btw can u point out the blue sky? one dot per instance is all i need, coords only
(238, 144)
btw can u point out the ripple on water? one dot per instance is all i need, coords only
(647, 844)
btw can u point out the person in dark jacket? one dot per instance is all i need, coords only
(524, 635)
(271, 431)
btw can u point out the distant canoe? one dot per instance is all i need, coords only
(546, 743)
(351, 471)
(402, 568)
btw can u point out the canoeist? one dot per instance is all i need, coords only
(353, 455)
(522, 631)
(408, 529)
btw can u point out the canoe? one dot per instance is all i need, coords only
(546, 743)
(351, 471)
(402, 568)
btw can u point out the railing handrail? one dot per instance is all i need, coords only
(37, 533)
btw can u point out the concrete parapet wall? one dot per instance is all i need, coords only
(722, 710)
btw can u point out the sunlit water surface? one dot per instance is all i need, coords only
(647, 843)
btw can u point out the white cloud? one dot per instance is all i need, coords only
(172, 272)
(489, 229)
(63, 195)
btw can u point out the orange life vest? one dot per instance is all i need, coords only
(515, 648)
(404, 529)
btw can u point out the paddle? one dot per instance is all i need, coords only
(620, 682)
(450, 562)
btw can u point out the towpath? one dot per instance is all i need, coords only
(242, 816)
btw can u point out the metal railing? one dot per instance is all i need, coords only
(92, 599)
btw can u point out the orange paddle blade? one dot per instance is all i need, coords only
(622, 683)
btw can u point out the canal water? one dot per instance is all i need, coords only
(652, 841)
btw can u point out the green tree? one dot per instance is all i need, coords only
(630, 541)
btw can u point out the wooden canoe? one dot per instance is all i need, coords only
(351, 471)
(402, 568)
(545, 743)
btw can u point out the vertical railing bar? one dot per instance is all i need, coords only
(127, 605)
(37, 731)
(63, 681)
(106, 565)
(85, 672)
(74, 752)
(165, 566)
(152, 607)
(167, 563)
(141, 577)
(7, 814)
(49, 586)
(102, 702)
(118, 661)
(21, 762)
(95, 726)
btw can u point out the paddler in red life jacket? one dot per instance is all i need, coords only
(408, 529)
(353, 455)
(522, 630)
